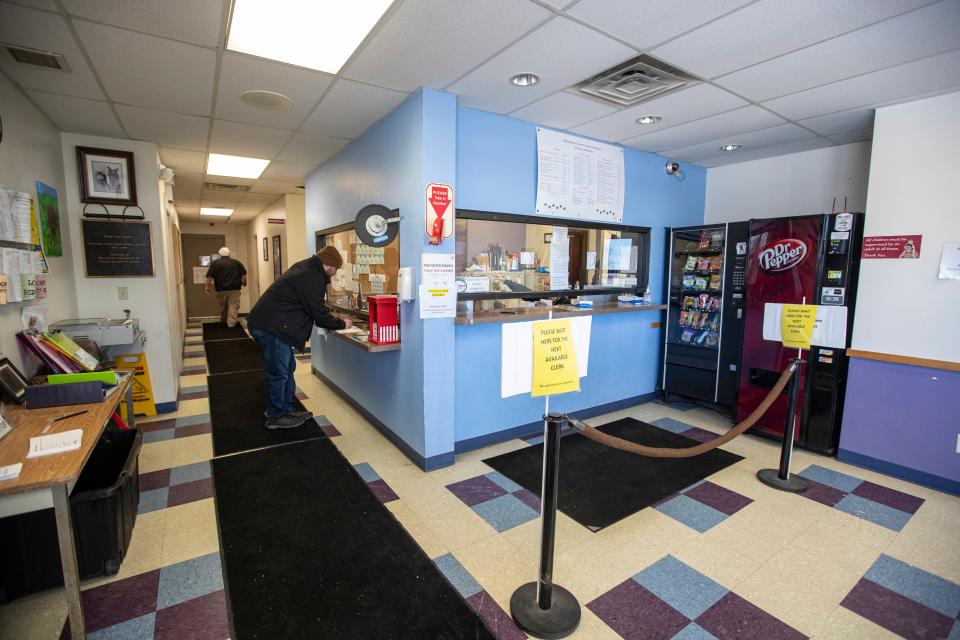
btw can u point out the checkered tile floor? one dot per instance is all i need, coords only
(502, 503)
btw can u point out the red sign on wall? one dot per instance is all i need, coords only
(891, 247)
(439, 215)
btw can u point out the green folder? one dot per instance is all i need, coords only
(107, 377)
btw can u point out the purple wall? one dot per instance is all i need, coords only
(903, 420)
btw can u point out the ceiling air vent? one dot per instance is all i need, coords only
(26, 55)
(232, 188)
(635, 81)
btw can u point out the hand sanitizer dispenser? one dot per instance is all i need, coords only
(405, 284)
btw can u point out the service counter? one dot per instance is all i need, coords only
(526, 314)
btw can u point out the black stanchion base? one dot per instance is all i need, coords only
(771, 477)
(559, 621)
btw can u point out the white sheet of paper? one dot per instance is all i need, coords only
(437, 303)
(516, 353)
(200, 275)
(829, 329)
(591, 259)
(55, 443)
(559, 259)
(11, 471)
(11, 267)
(950, 261)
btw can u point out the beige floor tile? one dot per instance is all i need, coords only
(928, 546)
(799, 588)
(498, 566)
(193, 380)
(422, 534)
(722, 562)
(194, 361)
(595, 567)
(852, 543)
(463, 468)
(35, 617)
(844, 624)
(156, 455)
(526, 537)
(194, 407)
(145, 552)
(192, 449)
(189, 531)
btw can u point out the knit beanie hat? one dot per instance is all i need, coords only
(331, 257)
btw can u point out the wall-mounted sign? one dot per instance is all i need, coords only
(950, 261)
(439, 217)
(891, 247)
(117, 249)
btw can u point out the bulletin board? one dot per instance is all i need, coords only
(373, 268)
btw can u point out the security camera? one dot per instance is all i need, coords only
(673, 167)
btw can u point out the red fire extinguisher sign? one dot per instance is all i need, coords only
(439, 214)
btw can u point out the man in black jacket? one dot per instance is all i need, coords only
(282, 320)
(227, 276)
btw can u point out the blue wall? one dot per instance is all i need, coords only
(496, 171)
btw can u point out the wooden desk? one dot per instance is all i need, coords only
(48, 480)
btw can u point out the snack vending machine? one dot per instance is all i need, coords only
(813, 258)
(706, 275)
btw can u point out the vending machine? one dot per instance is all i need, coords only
(812, 259)
(706, 276)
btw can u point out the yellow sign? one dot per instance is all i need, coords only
(554, 359)
(796, 324)
(142, 390)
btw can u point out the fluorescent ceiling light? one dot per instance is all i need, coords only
(235, 166)
(216, 211)
(317, 34)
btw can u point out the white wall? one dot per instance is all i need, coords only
(149, 298)
(260, 228)
(298, 246)
(30, 151)
(902, 307)
(235, 235)
(794, 184)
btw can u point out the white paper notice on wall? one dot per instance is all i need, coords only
(578, 177)
(438, 290)
(950, 261)
(516, 354)
(199, 275)
(559, 259)
(829, 329)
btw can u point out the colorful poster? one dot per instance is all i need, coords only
(554, 359)
(896, 247)
(49, 219)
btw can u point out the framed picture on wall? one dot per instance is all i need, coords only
(266, 250)
(106, 176)
(276, 257)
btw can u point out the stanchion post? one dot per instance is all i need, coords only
(781, 478)
(543, 609)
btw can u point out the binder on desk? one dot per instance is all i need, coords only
(57, 395)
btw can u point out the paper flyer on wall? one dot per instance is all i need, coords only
(438, 291)
(10, 266)
(829, 328)
(559, 259)
(950, 261)
(516, 356)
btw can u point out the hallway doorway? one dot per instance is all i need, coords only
(198, 250)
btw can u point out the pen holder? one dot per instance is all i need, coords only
(58, 395)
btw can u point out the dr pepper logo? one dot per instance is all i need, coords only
(782, 255)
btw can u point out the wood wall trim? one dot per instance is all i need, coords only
(917, 362)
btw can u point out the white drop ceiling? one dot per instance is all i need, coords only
(776, 76)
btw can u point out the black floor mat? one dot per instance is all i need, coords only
(237, 402)
(228, 356)
(600, 485)
(309, 552)
(220, 331)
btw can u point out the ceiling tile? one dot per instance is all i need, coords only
(237, 139)
(911, 36)
(288, 172)
(182, 160)
(563, 110)
(695, 102)
(239, 73)
(150, 72)
(843, 121)
(229, 180)
(751, 142)
(79, 115)
(725, 124)
(186, 20)
(769, 151)
(260, 199)
(184, 180)
(431, 44)
(350, 108)
(49, 5)
(771, 28)
(922, 76)
(181, 193)
(645, 23)
(166, 128)
(208, 196)
(311, 148)
(274, 188)
(852, 136)
(561, 52)
(559, 4)
(47, 32)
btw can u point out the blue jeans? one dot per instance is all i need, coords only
(280, 364)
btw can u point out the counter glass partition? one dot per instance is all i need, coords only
(502, 256)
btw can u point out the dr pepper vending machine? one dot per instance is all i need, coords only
(813, 258)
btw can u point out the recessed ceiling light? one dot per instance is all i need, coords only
(216, 211)
(235, 166)
(649, 119)
(317, 34)
(730, 147)
(266, 100)
(525, 79)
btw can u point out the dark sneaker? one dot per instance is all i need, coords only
(284, 422)
(301, 415)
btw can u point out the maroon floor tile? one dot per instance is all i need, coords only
(822, 493)
(192, 430)
(476, 490)
(329, 430)
(637, 614)
(158, 425)
(193, 395)
(895, 612)
(203, 618)
(494, 617)
(302, 396)
(733, 618)
(528, 498)
(190, 492)
(700, 435)
(383, 491)
(888, 497)
(720, 498)
(120, 601)
(154, 480)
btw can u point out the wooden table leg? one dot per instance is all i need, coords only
(68, 557)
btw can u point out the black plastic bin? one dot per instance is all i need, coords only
(104, 503)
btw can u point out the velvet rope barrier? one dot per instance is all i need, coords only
(688, 452)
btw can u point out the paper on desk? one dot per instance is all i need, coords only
(11, 471)
(55, 443)
(350, 331)
(516, 357)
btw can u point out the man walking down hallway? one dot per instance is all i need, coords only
(227, 276)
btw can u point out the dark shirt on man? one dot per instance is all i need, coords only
(227, 274)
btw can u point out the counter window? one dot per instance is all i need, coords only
(366, 270)
(502, 256)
